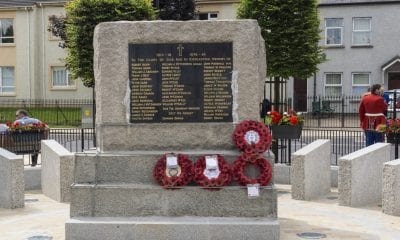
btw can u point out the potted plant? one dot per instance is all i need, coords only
(26, 138)
(391, 129)
(285, 126)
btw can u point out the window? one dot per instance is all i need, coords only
(6, 30)
(7, 80)
(360, 82)
(361, 31)
(334, 31)
(61, 78)
(208, 16)
(333, 84)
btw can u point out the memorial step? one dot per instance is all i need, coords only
(136, 166)
(135, 200)
(178, 228)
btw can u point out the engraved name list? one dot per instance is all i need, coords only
(182, 82)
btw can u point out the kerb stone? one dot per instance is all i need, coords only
(310, 172)
(360, 175)
(12, 184)
(391, 188)
(57, 171)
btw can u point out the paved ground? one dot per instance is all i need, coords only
(47, 217)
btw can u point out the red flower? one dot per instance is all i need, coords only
(293, 120)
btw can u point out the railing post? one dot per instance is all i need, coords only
(320, 113)
(396, 140)
(342, 112)
(82, 139)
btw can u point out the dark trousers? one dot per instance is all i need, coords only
(34, 159)
(373, 137)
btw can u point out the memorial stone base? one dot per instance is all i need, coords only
(115, 197)
(177, 228)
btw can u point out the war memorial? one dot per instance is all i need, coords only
(167, 90)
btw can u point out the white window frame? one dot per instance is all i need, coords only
(333, 85)
(1, 27)
(1, 81)
(326, 33)
(359, 85)
(64, 87)
(209, 15)
(362, 31)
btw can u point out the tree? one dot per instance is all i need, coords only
(76, 30)
(57, 28)
(291, 32)
(176, 9)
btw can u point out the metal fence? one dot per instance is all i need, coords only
(328, 111)
(332, 111)
(55, 112)
(73, 139)
(343, 142)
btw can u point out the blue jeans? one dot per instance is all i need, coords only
(373, 137)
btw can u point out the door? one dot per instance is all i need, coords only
(393, 80)
(300, 95)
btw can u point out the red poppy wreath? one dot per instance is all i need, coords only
(212, 179)
(252, 137)
(244, 161)
(169, 178)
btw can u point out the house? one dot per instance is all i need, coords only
(216, 9)
(32, 65)
(361, 40)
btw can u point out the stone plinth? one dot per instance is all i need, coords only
(179, 228)
(57, 171)
(391, 188)
(126, 200)
(360, 175)
(12, 183)
(310, 172)
(137, 166)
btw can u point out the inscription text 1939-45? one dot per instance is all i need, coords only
(182, 82)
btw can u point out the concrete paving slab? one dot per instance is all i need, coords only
(48, 217)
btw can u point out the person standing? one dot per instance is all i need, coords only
(23, 119)
(371, 113)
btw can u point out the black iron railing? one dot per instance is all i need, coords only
(73, 139)
(54, 112)
(331, 111)
(343, 142)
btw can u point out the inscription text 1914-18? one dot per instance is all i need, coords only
(182, 82)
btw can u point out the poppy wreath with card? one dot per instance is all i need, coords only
(252, 137)
(212, 182)
(174, 177)
(261, 163)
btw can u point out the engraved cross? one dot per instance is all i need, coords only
(180, 48)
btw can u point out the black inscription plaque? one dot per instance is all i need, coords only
(180, 82)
